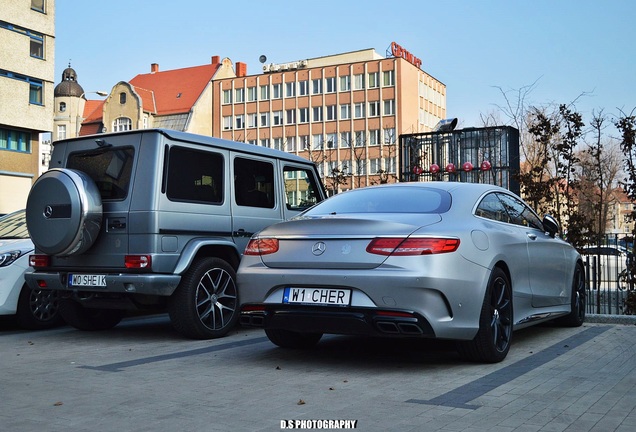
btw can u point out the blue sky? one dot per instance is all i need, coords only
(567, 48)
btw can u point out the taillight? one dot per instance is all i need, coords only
(39, 261)
(412, 246)
(261, 246)
(137, 261)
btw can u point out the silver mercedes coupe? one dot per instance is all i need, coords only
(461, 261)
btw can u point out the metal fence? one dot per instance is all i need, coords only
(608, 285)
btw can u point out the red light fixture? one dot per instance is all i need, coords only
(261, 246)
(434, 168)
(417, 170)
(467, 166)
(412, 246)
(485, 166)
(39, 260)
(451, 168)
(137, 261)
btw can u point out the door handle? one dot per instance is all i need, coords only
(531, 236)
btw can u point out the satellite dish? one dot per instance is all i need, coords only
(262, 59)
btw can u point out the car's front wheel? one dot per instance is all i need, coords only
(492, 342)
(38, 309)
(291, 339)
(205, 304)
(89, 319)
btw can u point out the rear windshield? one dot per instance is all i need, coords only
(385, 200)
(109, 168)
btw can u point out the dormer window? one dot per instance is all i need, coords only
(122, 98)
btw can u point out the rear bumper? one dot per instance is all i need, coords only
(352, 321)
(149, 284)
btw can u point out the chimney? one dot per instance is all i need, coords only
(241, 69)
(216, 59)
(154, 68)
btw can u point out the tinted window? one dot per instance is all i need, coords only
(109, 168)
(13, 226)
(300, 188)
(385, 200)
(195, 176)
(254, 183)
(506, 208)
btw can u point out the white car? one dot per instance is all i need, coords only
(33, 309)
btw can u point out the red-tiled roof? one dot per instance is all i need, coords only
(175, 91)
(147, 99)
(93, 110)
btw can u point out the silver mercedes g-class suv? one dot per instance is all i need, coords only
(155, 218)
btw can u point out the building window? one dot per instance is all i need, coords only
(303, 115)
(317, 114)
(37, 5)
(62, 106)
(122, 124)
(358, 110)
(303, 88)
(390, 164)
(251, 94)
(389, 136)
(290, 89)
(227, 123)
(389, 107)
(316, 86)
(61, 132)
(277, 118)
(239, 93)
(122, 98)
(316, 141)
(15, 140)
(374, 109)
(388, 78)
(252, 141)
(37, 45)
(265, 92)
(374, 81)
(227, 96)
(358, 82)
(360, 167)
(239, 121)
(332, 140)
(360, 139)
(252, 120)
(265, 142)
(291, 116)
(345, 139)
(374, 137)
(345, 83)
(330, 84)
(290, 144)
(345, 112)
(331, 112)
(264, 119)
(304, 142)
(35, 92)
(278, 143)
(277, 91)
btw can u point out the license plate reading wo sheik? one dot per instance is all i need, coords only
(87, 280)
(317, 296)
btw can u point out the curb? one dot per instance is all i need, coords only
(610, 319)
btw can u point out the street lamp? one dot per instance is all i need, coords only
(79, 119)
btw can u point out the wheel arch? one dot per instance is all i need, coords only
(223, 249)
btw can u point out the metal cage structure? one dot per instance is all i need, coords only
(476, 155)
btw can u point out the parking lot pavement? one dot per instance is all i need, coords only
(142, 376)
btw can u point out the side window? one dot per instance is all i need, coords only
(520, 213)
(195, 176)
(492, 208)
(254, 183)
(301, 189)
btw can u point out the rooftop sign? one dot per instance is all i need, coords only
(398, 51)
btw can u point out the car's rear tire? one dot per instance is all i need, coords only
(291, 339)
(492, 342)
(38, 309)
(89, 319)
(576, 317)
(205, 304)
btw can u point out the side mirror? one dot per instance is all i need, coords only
(551, 225)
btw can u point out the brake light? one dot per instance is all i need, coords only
(412, 246)
(137, 261)
(261, 246)
(39, 261)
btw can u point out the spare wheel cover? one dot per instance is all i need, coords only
(64, 212)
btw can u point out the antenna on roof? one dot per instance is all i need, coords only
(262, 59)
